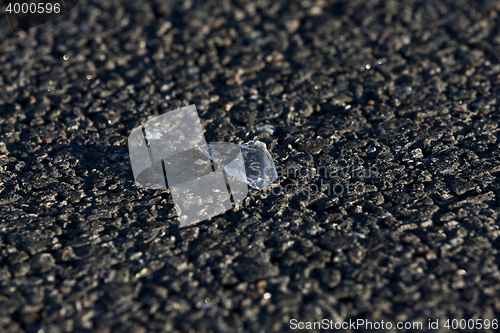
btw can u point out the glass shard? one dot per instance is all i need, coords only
(260, 171)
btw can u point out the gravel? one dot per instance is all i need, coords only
(395, 99)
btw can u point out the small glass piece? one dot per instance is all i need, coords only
(260, 171)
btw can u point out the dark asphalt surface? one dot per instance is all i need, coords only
(408, 88)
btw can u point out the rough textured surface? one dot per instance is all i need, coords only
(409, 87)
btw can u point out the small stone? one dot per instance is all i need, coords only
(37, 122)
(266, 129)
(103, 119)
(416, 153)
(3, 149)
(114, 158)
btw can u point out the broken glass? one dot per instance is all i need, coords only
(260, 171)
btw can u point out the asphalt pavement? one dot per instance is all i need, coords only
(381, 118)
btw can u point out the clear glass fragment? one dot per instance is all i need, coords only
(260, 171)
